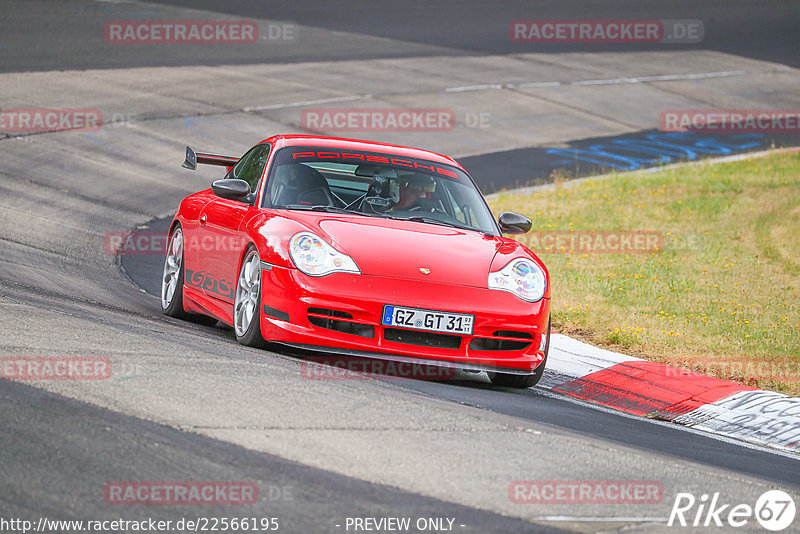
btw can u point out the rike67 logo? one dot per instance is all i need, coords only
(774, 510)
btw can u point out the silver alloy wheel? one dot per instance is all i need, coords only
(172, 268)
(247, 289)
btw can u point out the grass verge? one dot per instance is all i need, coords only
(696, 267)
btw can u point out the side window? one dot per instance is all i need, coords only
(251, 166)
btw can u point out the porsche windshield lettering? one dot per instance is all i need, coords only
(376, 158)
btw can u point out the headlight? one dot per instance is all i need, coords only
(520, 276)
(315, 257)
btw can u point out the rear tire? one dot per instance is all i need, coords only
(523, 381)
(172, 282)
(247, 302)
(172, 276)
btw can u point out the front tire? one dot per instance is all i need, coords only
(523, 381)
(247, 303)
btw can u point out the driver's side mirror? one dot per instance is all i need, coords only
(514, 223)
(232, 189)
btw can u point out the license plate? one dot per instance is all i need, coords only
(434, 321)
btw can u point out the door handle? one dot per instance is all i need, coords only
(203, 218)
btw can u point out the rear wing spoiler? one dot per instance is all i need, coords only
(203, 158)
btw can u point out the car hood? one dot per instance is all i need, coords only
(410, 250)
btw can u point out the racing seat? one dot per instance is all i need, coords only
(298, 184)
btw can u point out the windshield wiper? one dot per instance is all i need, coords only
(330, 209)
(431, 220)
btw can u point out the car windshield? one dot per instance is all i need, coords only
(375, 184)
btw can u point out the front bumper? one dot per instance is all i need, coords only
(342, 312)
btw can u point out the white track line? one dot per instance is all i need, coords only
(582, 519)
(308, 103)
(610, 81)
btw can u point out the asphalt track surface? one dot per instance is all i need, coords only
(764, 30)
(69, 434)
(186, 402)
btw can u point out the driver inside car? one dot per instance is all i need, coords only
(414, 192)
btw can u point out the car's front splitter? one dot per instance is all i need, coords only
(398, 358)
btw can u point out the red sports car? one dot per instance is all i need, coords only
(363, 249)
